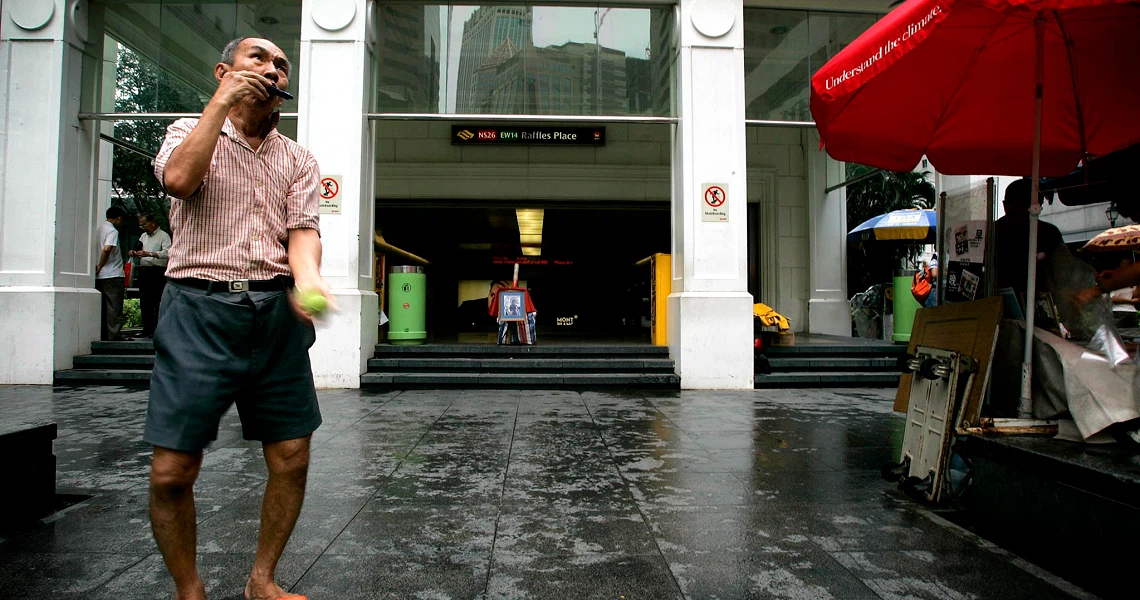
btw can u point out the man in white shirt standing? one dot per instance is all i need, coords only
(109, 274)
(151, 275)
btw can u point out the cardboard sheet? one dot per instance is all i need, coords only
(969, 328)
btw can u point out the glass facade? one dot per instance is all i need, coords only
(177, 43)
(159, 56)
(525, 59)
(783, 49)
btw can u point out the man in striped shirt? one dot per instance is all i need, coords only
(245, 228)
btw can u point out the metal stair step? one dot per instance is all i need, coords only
(114, 361)
(521, 363)
(128, 347)
(827, 379)
(780, 363)
(103, 376)
(533, 380)
(836, 351)
(536, 351)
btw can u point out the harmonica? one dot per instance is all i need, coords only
(276, 91)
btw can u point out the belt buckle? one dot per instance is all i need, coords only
(241, 285)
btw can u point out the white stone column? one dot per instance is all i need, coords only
(710, 309)
(49, 308)
(828, 309)
(333, 101)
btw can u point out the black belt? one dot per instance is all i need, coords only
(241, 285)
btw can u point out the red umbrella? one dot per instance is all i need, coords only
(970, 83)
(959, 86)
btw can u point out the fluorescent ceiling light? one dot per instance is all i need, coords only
(530, 230)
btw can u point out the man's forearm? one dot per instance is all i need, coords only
(102, 260)
(1121, 278)
(305, 254)
(191, 159)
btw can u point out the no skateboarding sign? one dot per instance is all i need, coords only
(329, 190)
(714, 202)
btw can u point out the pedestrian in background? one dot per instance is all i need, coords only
(151, 273)
(109, 275)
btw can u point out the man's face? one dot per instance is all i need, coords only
(147, 226)
(264, 58)
(1014, 209)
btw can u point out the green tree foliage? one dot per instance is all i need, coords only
(141, 86)
(884, 192)
(881, 192)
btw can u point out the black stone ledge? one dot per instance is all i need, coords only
(15, 436)
(1111, 471)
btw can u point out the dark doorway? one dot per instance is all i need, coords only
(580, 271)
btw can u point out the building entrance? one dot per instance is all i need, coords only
(578, 261)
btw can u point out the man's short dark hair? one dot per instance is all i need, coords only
(148, 217)
(1018, 193)
(116, 212)
(230, 51)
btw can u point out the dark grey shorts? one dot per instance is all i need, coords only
(216, 349)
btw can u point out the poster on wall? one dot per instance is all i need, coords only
(966, 254)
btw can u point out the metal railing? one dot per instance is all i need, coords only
(771, 123)
(491, 118)
(151, 116)
(522, 118)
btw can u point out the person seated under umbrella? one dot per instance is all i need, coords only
(1011, 267)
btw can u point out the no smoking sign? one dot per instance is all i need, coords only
(714, 202)
(330, 193)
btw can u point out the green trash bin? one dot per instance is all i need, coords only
(407, 302)
(905, 306)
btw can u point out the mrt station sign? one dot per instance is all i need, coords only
(524, 135)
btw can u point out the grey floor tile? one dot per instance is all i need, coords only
(743, 528)
(63, 575)
(928, 575)
(773, 459)
(554, 530)
(394, 577)
(432, 531)
(225, 576)
(582, 577)
(817, 487)
(689, 489)
(799, 574)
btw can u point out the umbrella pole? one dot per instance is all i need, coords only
(1025, 406)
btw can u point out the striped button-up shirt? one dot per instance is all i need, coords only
(236, 224)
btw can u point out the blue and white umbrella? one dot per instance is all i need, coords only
(914, 225)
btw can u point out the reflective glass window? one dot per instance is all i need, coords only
(159, 56)
(180, 41)
(525, 59)
(783, 49)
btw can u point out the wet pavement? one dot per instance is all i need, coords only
(522, 494)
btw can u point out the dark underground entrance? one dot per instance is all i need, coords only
(578, 260)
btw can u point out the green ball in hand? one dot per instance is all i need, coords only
(312, 302)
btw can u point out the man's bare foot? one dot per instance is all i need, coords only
(268, 591)
(196, 591)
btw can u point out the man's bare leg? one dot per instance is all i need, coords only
(288, 464)
(173, 518)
